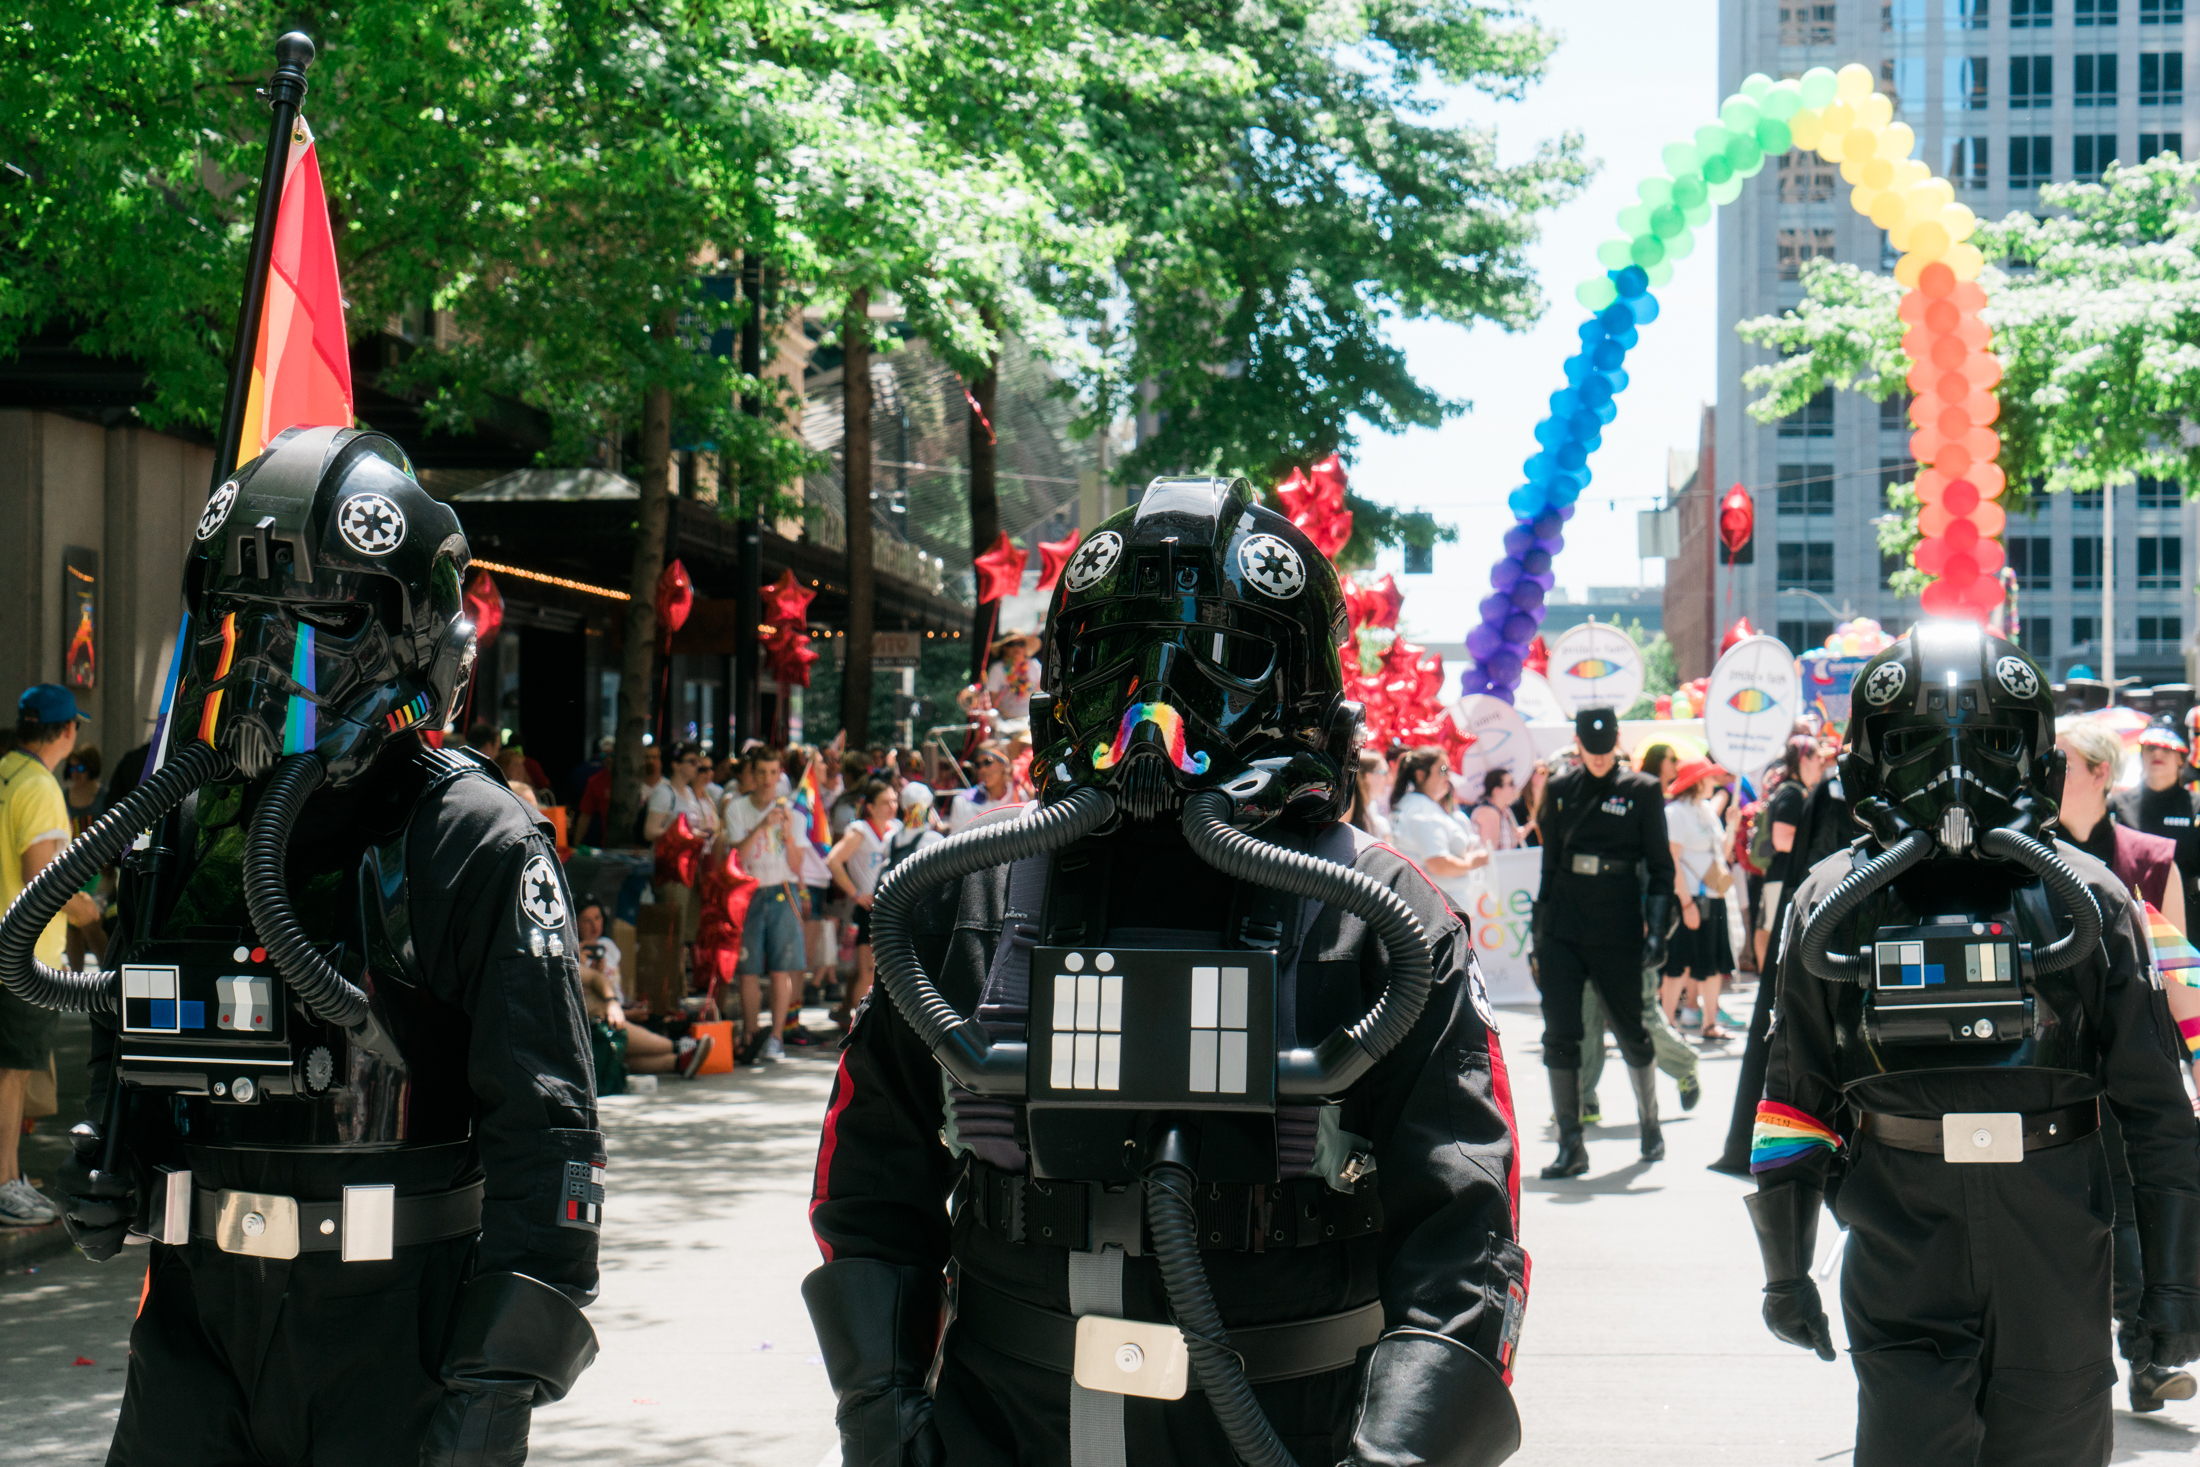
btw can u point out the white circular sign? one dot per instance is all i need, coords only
(1536, 702)
(1501, 741)
(1596, 663)
(371, 524)
(217, 508)
(1271, 567)
(1751, 703)
(1094, 559)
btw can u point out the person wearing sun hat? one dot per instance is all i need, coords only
(2160, 804)
(1700, 950)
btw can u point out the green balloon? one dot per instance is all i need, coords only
(1745, 155)
(1634, 220)
(1661, 272)
(1727, 190)
(1682, 158)
(1680, 246)
(1755, 85)
(1596, 292)
(1666, 221)
(1689, 190)
(1615, 254)
(1782, 102)
(1711, 140)
(1773, 136)
(1648, 250)
(1655, 190)
(1756, 164)
(1739, 114)
(1699, 216)
(1818, 86)
(1716, 171)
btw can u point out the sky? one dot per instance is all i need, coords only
(1630, 79)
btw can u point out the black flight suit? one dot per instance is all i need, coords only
(237, 1359)
(1590, 926)
(1977, 1296)
(2170, 814)
(1432, 1234)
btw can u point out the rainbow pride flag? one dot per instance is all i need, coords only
(810, 797)
(2175, 957)
(301, 365)
(1784, 1134)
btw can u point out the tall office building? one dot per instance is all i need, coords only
(2004, 95)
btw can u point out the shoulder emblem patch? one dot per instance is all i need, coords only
(540, 901)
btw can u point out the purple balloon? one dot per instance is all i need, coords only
(1547, 524)
(1550, 544)
(1482, 641)
(1546, 580)
(1506, 574)
(1528, 597)
(1520, 628)
(1504, 669)
(1564, 511)
(1518, 541)
(1535, 562)
(1495, 609)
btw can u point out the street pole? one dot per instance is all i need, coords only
(855, 466)
(285, 90)
(2108, 590)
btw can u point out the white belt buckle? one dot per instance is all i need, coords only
(370, 1218)
(257, 1224)
(1588, 865)
(1982, 1136)
(1131, 1357)
(174, 1227)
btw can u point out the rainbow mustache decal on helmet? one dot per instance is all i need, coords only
(1162, 717)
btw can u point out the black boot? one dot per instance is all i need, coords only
(1573, 1157)
(1645, 1080)
(2152, 1385)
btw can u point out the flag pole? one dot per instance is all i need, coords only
(284, 91)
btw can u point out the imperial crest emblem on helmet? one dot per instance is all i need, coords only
(2017, 677)
(371, 524)
(1885, 683)
(1271, 567)
(1094, 559)
(217, 508)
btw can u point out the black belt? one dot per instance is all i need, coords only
(427, 1218)
(1238, 1217)
(1588, 865)
(1042, 1337)
(2042, 1132)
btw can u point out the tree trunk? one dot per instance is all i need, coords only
(985, 499)
(855, 462)
(638, 663)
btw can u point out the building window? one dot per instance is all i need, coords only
(2092, 81)
(1800, 246)
(2083, 629)
(2161, 633)
(2031, 14)
(2032, 81)
(1805, 178)
(2162, 79)
(1890, 563)
(1894, 417)
(1806, 489)
(2031, 161)
(1807, 567)
(2161, 562)
(1806, 25)
(2090, 155)
(1814, 419)
(1893, 473)
(2093, 12)
(1967, 163)
(1966, 88)
(2081, 500)
(2161, 12)
(2085, 563)
(2154, 144)
(1803, 635)
(2160, 493)
(2035, 635)
(2031, 560)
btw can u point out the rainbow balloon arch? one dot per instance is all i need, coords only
(1847, 121)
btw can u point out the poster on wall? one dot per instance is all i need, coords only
(1596, 663)
(79, 618)
(1501, 741)
(1751, 703)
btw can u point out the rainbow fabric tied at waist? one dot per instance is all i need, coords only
(1784, 1134)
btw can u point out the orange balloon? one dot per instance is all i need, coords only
(1953, 421)
(1990, 480)
(1968, 297)
(1982, 408)
(1936, 279)
(1955, 460)
(1917, 343)
(1983, 443)
(1983, 368)
(1913, 307)
(1931, 485)
(1973, 333)
(1923, 375)
(1933, 521)
(1942, 317)
(1926, 444)
(1947, 352)
(1989, 555)
(1991, 520)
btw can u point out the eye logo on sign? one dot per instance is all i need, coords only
(371, 524)
(1885, 683)
(1272, 567)
(217, 508)
(1588, 669)
(1094, 559)
(2018, 677)
(1751, 700)
(540, 901)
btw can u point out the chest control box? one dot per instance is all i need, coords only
(1948, 983)
(213, 1018)
(1152, 1029)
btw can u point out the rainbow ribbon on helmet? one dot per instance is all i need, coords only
(1161, 716)
(1784, 1134)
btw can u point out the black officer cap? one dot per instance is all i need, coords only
(1598, 729)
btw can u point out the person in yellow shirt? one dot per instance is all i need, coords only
(34, 826)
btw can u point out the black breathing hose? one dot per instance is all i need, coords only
(101, 845)
(2075, 946)
(331, 996)
(957, 1042)
(1844, 899)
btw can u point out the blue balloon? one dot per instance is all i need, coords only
(1626, 339)
(1584, 424)
(1607, 357)
(1617, 317)
(1538, 470)
(1607, 410)
(1566, 399)
(1551, 432)
(1633, 281)
(1596, 392)
(1570, 458)
(1645, 308)
(1564, 495)
(1619, 380)
(1527, 500)
(1580, 365)
(1591, 332)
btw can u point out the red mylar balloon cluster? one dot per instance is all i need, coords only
(787, 649)
(1403, 696)
(1959, 518)
(1053, 558)
(1538, 659)
(1314, 500)
(484, 606)
(725, 892)
(1000, 570)
(675, 599)
(1735, 633)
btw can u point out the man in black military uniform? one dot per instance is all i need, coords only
(1604, 835)
(2161, 803)
(341, 1076)
(1358, 1237)
(1961, 989)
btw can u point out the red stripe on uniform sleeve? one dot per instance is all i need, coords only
(844, 1089)
(1501, 1090)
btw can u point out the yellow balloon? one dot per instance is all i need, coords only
(1911, 172)
(1837, 118)
(1887, 209)
(1853, 83)
(1959, 221)
(1896, 141)
(1906, 270)
(1859, 145)
(1879, 173)
(1965, 260)
(1898, 233)
(1862, 197)
(1929, 241)
(1942, 190)
(1875, 111)
(1804, 128)
(1852, 172)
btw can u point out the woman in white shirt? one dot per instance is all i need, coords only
(857, 859)
(1700, 952)
(1423, 828)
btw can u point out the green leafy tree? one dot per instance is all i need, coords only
(2095, 313)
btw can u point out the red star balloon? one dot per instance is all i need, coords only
(1297, 493)
(1735, 633)
(1737, 521)
(787, 601)
(484, 607)
(1539, 656)
(675, 598)
(1000, 570)
(1053, 556)
(1384, 598)
(1315, 503)
(1431, 672)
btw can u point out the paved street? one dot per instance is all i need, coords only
(1643, 1342)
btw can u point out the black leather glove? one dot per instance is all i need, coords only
(2169, 1250)
(878, 1325)
(1657, 913)
(101, 1205)
(516, 1343)
(1427, 1399)
(1786, 1216)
